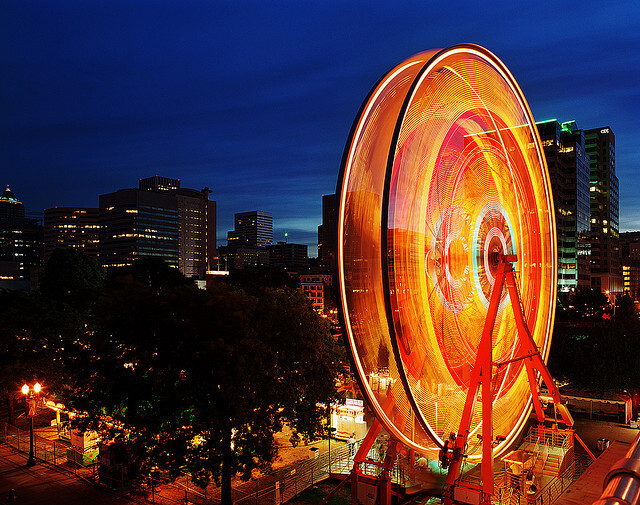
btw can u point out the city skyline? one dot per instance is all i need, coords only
(255, 100)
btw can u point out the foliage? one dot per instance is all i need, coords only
(602, 356)
(202, 379)
(584, 305)
(72, 277)
(255, 279)
(39, 341)
(154, 273)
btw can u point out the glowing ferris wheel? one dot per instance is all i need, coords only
(446, 233)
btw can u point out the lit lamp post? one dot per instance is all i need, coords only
(31, 395)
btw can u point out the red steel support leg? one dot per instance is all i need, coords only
(480, 377)
(533, 359)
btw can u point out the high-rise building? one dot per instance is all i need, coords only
(196, 231)
(21, 239)
(251, 229)
(568, 162)
(289, 256)
(75, 227)
(159, 219)
(327, 232)
(135, 223)
(605, 248)
(630, 256)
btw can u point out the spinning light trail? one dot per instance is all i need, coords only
(443, 168)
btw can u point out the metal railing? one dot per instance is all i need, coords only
(272, 489)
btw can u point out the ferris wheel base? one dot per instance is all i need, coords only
(369, 490)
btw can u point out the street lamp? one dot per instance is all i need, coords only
(31, 396)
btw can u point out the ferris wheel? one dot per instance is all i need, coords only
(447, 256)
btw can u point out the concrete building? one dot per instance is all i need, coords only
(564, 149)
(75, 227)
(21, 239)
(288, 256)
(327, 232)
(254, 229)
(630, 258)
(159, 219)
(605, 247)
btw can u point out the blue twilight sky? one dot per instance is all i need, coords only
(255, 99)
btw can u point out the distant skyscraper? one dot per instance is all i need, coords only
(289, 256)
(10, 206)
(564, 149)
(196, 231)
(327, 232)
(251, 229)
(71, 227)
(605, 247)
(630, 253)
(136, 223)
(159, 219)
(21, 238)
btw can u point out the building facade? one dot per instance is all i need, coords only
(75, 227)
(254, 229)
(630, 259)
(288, 256)
(568, 163)
(327, 232)
(158, 219)
(318, 288)
(605, 245)
(21, 239)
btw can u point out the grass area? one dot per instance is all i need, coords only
(315, 494)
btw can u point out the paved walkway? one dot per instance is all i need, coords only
(41, 484)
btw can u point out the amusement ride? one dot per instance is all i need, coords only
(447, 270)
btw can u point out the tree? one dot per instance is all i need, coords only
(599, 356)
(255, 279)
(39, 340)
(203, 379)
(72, 277)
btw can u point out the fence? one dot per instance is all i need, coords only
(58, 453)
(272, 489)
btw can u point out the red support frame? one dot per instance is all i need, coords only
(481, 378)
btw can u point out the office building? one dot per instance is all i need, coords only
(605, 247)
(288, 256)
(564, 149)
(21, 239)
(75, 227)
(327, 232)
(630, 259)
(254, 229)
(159, 219)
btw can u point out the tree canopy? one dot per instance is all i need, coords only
(595, 352)
(181, 378)
(203, 379)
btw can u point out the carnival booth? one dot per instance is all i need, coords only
(348, 419)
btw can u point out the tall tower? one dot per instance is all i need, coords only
(605, 247)
(253, 228)
(160, 219)
(327, 231)
(75, 227)
(568, 162)
(136, 223)
(21, 238)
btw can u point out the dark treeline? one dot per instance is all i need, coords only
(177, 377)
(596, 345)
